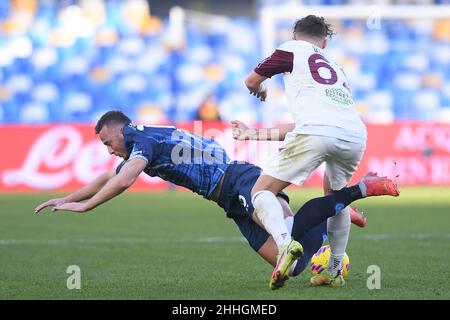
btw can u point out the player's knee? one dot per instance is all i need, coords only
(259, 195)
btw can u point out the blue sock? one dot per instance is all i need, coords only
(318, 210)
(310, 222)
(311, 242)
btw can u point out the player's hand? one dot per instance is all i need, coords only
(261, 94)
(240, 131)
(49, 203)
(71, 206)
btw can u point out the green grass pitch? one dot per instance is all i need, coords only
(175, 245)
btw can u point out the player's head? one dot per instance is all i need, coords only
(313, 29)
(110, 130)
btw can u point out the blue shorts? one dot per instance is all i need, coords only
(235, 198)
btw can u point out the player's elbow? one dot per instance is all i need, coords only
(125, 182)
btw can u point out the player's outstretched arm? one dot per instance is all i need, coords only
(84, 193)
(115, 186)
(254, 83)
(241, 132)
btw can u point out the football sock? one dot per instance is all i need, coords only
(335, 263)
(311, 243)
(358, 191)
(292, 268)
(269, 211)
(317, 210)
(289, 221)
(338, 228)
(311, 221)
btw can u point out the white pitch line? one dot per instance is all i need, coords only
(412, 236)
(136, 241)
(131, 241)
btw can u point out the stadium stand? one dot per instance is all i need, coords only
(69, 61)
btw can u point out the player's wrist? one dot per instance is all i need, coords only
(85, 207)
(69, 198)
(262, 88)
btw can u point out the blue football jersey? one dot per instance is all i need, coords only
(178, 156)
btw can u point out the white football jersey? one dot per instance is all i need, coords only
(318, 94)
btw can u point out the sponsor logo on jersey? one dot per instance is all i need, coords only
(135, 152)
(339, 96)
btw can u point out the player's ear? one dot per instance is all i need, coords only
(324, 43)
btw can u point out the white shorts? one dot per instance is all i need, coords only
(301, 154)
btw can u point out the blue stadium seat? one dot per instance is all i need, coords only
(136, 71)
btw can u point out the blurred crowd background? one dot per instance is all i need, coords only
(70, 61)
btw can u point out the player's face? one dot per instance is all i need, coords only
(112, 138)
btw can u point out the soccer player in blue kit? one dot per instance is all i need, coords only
(202, 166)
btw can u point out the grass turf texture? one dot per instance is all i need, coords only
(175, 245)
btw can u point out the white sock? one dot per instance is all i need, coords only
(269, 211)
(335, 263)
(291, 270)
(363, 188)
(338, 228)
(289, 221)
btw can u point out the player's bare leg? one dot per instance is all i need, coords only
(356, 217)
(268, 209)
(371, 185)
(338, 229)
(269, 250)
(270, 213)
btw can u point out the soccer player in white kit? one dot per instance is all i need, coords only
(327, 129)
